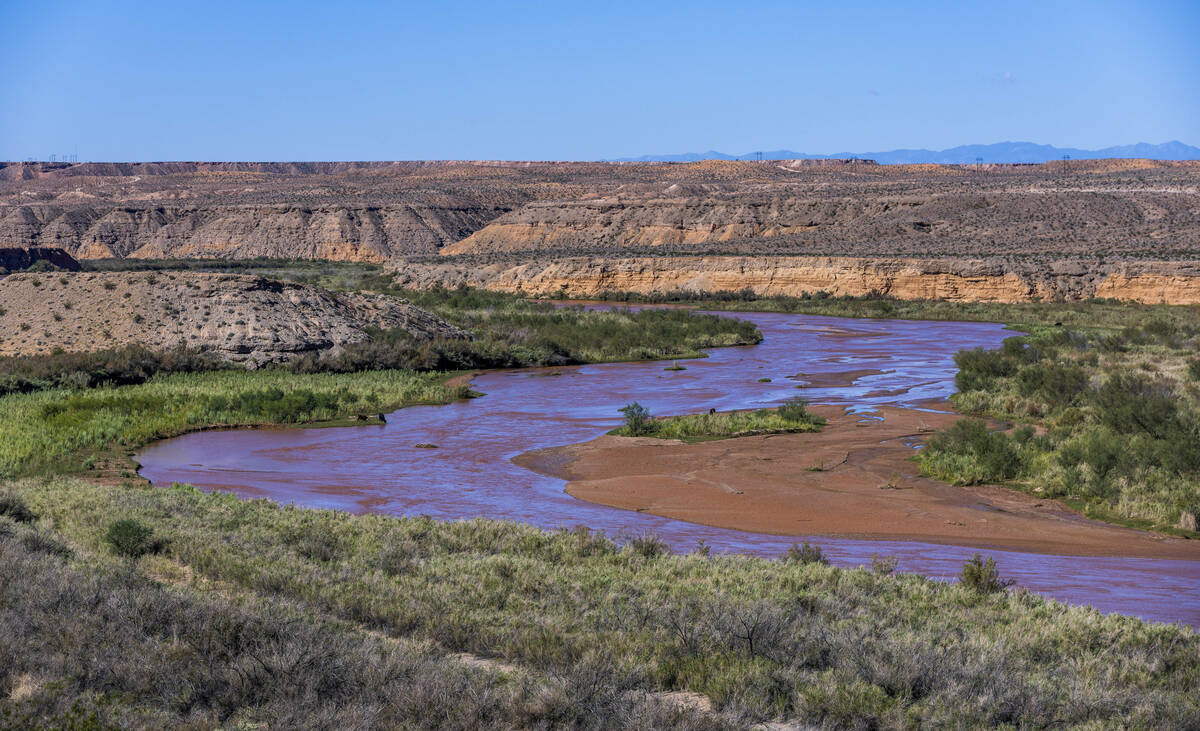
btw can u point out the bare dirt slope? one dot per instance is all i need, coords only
(1128, 209)
(239, 318)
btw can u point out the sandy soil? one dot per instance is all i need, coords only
(853, 479)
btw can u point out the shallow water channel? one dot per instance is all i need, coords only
(378, 469)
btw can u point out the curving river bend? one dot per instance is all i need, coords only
(897, 362)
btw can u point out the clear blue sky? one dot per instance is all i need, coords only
(301, 80)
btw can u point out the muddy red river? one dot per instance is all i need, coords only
(858, 363)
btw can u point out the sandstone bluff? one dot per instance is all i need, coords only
(956, 280)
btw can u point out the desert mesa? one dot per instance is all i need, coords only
(1058, 231)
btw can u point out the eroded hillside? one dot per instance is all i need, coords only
(235, 317)
(1126, 209)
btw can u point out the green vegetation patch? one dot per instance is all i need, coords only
(596, 619)
(45, 430)
(791, 417)
(90, 645)
(1096, 313)
(510, 332)
(131, 364)
(1120, 417)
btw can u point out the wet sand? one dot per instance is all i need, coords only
(854, 479)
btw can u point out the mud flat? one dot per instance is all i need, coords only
(854, 479)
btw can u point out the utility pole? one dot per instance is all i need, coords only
(979, 163)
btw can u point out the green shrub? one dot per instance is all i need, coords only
(884, 565)
(794, 409)
(982, 576)
(38, 542)
(130, 538)
(15, 508)
(1134, 404)
(638, 421)
(979, 368)
(397, 557)
(649, 546)
(1161, 328)
(808, 553)
(1053, 383)
(976, 454)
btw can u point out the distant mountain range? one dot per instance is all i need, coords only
(1009, 152)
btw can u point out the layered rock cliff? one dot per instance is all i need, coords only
(239, 318)
(380, 211)
(962, 280)
(961, 222)
(916, 230)
(336, 232)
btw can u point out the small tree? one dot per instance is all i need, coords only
(637, 419)
(129, 537)
(982, 576)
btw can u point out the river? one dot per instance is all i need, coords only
(858, 363)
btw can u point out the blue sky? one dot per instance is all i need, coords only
(560, 80)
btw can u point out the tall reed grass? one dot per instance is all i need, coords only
(41, 431)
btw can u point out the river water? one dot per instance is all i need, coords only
(378, 468)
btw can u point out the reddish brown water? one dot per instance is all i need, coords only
(379, 469)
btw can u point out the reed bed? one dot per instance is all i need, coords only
(42, 431)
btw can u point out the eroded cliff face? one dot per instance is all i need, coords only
(960, 280)
(381, 211)
(958, 221)
(341, 233)
(239, 318)
(777, 227)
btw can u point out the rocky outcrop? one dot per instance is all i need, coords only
(239, 318)
(15, 259)
(960, 280)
